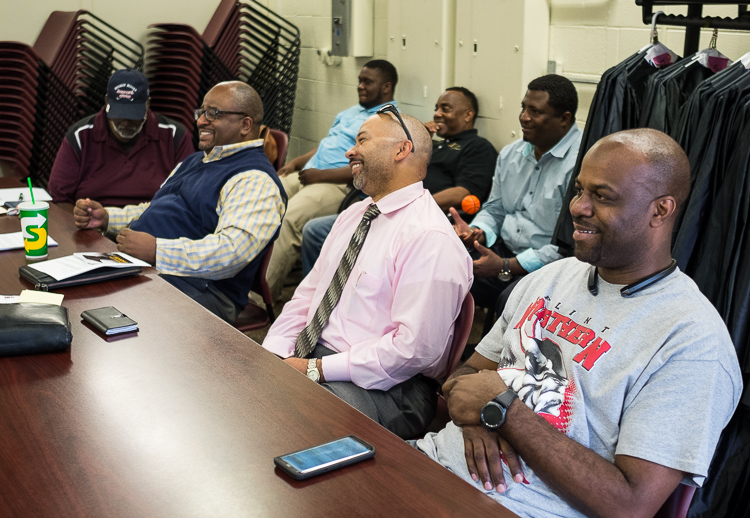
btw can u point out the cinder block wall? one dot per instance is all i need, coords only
(585, 38)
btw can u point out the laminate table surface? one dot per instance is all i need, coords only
(184, 418)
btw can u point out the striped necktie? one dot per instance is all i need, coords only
(308, 338)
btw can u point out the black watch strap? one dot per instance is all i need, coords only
(506, 398)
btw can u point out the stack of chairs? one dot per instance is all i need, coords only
(59, 80)
(19, 80)
(244, 40)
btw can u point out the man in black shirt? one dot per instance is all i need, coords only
(462, 164)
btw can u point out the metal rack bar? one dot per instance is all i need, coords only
(694, 21)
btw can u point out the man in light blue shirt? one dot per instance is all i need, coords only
(324, 175)
(511, 234)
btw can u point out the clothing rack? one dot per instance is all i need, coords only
(694, 21)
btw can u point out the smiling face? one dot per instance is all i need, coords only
(370, 159)
(539, 124)
(612, 209)
(453, 114)
(372, 88)
(227, 128)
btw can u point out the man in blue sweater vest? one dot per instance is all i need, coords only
(208, 226)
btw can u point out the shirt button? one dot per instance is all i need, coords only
(518, 231)
(537, 168)
(531, 193)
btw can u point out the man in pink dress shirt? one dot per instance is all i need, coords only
(385, 346)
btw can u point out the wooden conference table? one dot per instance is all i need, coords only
(184, 418)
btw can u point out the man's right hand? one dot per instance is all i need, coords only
(432, 127)
(484, 452)
(90, 214)
(466, 233)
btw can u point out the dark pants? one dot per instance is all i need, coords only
(205, 293)
(491, 292)
(406, 409)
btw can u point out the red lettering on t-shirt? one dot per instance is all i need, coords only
(588, 335)
(530, 311)
(557, 319)
(592, 353)
(566, 328)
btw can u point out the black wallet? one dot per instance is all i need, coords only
(44, 282)
(31, 328)
(109, 321)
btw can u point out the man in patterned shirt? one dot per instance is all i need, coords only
(199, 230)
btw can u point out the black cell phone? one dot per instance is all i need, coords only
(326, 457)
(12, 204)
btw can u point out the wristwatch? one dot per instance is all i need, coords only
(312, 370)
(493, 413)
(505, 274)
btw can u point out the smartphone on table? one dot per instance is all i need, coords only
(326, 457)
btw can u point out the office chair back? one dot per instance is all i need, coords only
(255, 317)
(282, 144)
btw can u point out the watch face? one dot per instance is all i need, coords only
(313, 375)
(505, 277)
(492, 415)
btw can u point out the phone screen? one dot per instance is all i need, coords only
(325, 455)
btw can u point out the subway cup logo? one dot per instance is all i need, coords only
(34, 228)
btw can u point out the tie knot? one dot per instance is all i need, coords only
(371, 212)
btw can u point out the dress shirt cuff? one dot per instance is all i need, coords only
(529, 260)
(117, 219)
(336, 367)
(279, 346)
(489, 233)
(161, 246)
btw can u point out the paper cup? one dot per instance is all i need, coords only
(34, 228)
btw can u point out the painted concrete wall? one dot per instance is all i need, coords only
(584, 37)
(589, 36)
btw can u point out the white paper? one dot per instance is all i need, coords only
(14, 193)
(14, 241)
(41, 297)
(76, 264)
(8, 299)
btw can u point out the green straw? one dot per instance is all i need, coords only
(31, 190)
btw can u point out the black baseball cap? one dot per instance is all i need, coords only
(127, 94)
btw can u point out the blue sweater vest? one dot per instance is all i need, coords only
(185, 206)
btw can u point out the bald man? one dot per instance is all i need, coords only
(609, 376)
(385, 347)
(199, 230)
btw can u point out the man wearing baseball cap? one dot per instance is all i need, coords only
(123, 153)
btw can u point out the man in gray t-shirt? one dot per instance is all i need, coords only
(626, 358)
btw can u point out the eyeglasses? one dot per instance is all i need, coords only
(212, 113)
(389, 108)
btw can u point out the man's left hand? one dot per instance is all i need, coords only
(138, 244)
(469, 393)
(484, 452)
(489, 264)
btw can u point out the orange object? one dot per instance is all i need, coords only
(470, 204)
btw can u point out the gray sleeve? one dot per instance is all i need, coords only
(677, 416)
(492, 345)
